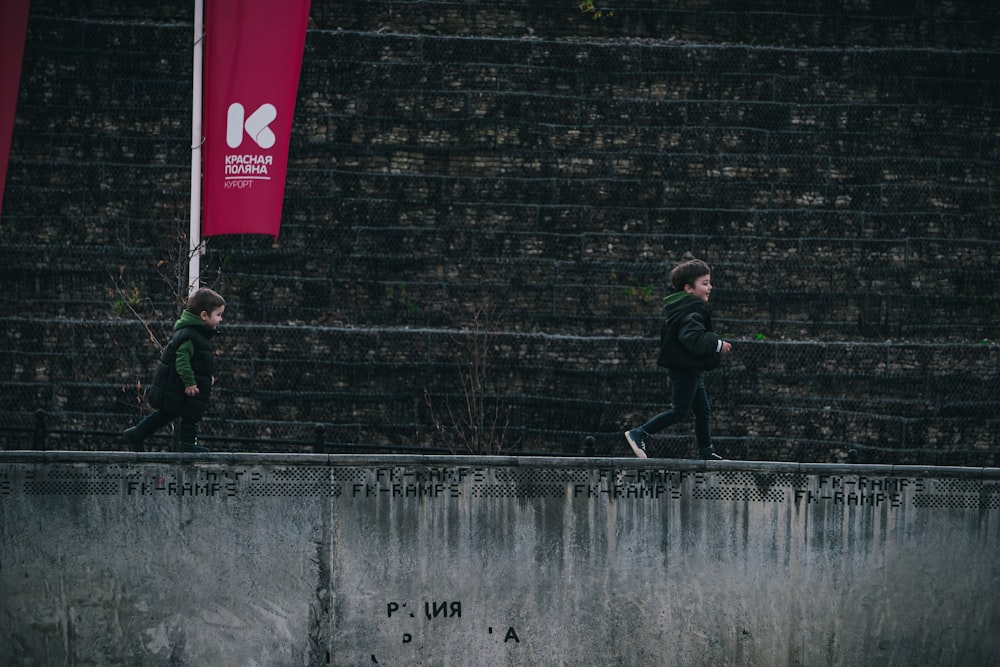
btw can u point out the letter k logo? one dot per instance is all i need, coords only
(256, 125)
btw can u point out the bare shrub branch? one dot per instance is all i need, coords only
(477, 421)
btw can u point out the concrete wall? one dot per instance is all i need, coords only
(161, 559)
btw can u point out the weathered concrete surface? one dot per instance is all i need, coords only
(159, 559)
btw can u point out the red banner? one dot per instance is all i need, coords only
(13, 28)
(253, 56)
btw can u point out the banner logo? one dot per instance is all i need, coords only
(243, 170)
(256, 125)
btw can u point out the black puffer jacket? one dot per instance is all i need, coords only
(687, 341)
(167, 393)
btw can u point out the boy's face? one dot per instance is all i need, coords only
(701, 287)
(213, 318)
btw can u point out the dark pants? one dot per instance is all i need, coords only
(154, 421)
(687, 396)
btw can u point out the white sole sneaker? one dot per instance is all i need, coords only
(636, 446)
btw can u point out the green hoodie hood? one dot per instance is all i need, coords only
(673, 298)
(189, 319)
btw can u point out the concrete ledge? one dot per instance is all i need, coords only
(576, 462)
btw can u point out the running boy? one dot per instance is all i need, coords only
(184, 375)
(688, 346)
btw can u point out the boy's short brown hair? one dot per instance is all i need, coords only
(204, 300)
(687, 272)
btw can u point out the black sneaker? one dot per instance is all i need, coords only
(636, 442)
(133, 439)
(711, 456)
(187, 447)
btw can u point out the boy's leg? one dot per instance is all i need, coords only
(702, 409)
(149, 425)
(188, 437)
(683, 385)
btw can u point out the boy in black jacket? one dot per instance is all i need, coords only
(184, 375)
(688, 346)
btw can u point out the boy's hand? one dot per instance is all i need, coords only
(726, 347)
(191, 391)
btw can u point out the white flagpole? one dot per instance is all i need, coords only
(195, 246)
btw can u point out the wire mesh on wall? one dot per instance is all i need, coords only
(546, 171)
